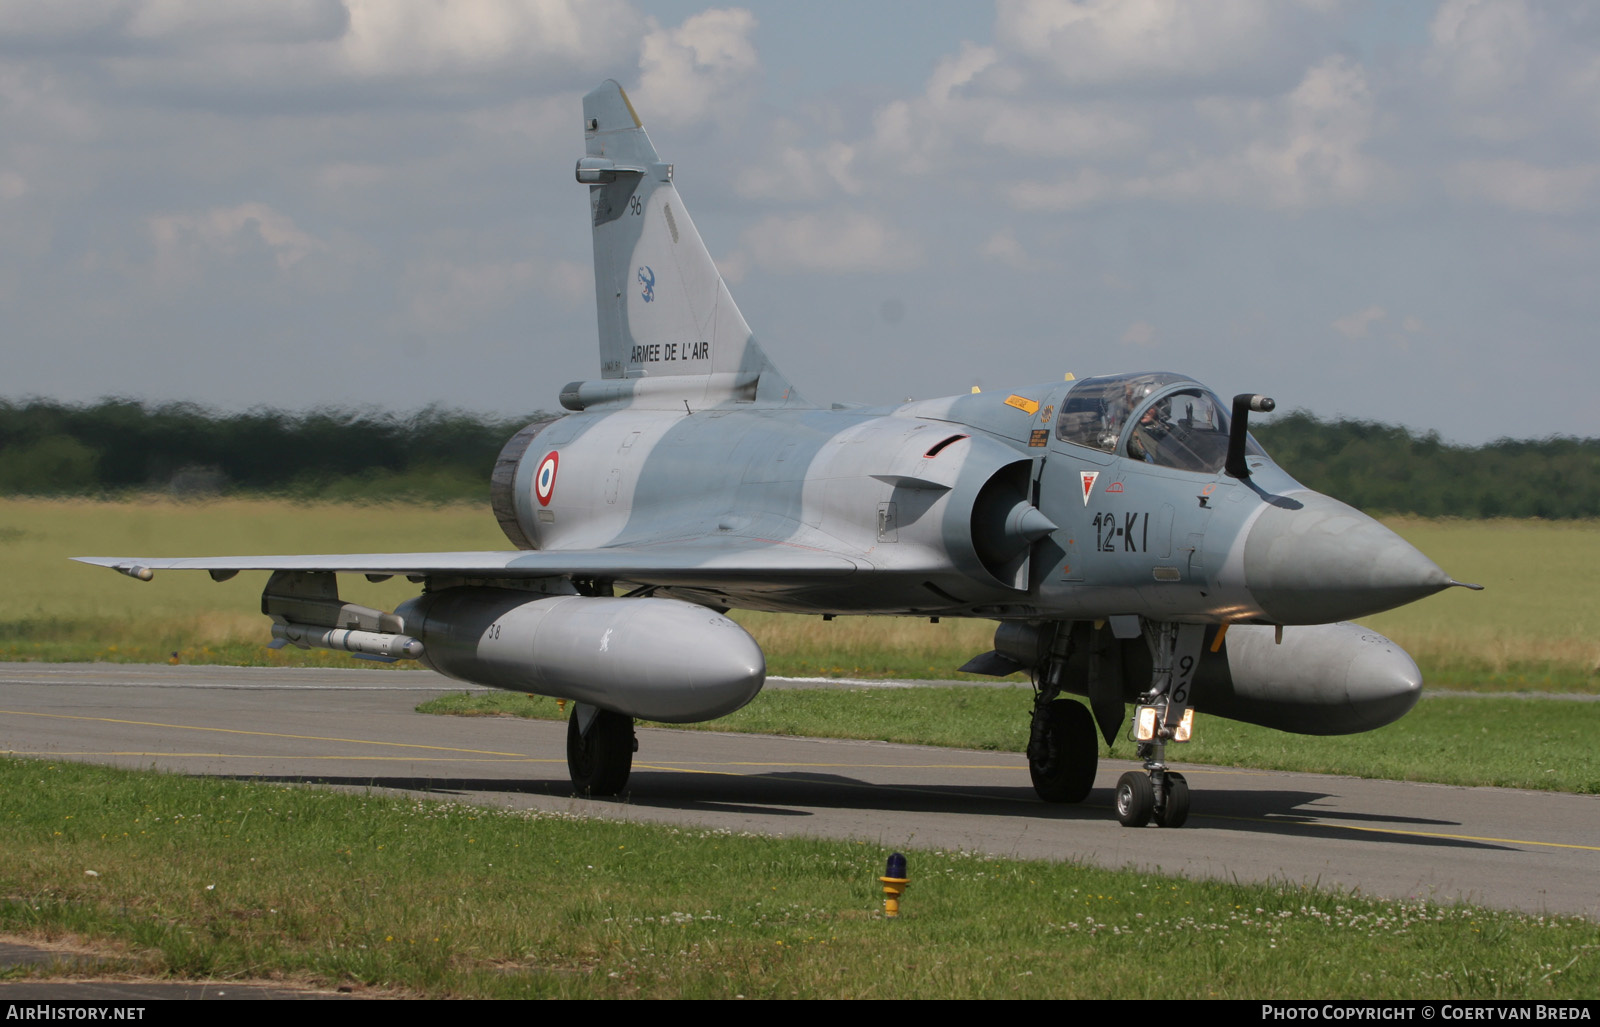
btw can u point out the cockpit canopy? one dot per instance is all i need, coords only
(1158, 417)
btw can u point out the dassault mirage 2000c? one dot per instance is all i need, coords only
(1131, 539)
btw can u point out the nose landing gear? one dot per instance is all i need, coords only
(1162, 795)
(1162, 716)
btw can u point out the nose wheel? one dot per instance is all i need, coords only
(1159, 795)
(1136, 799)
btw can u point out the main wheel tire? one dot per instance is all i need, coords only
(600, 761)
(1067, 772)
(1136, 799)
(1175, 811)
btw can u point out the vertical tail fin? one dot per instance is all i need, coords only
(664, 309)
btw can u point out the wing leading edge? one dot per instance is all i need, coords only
(690, 562)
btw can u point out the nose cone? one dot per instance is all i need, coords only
(1314, 560)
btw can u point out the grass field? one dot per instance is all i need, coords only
(1533, 627)
(58, 610)
(215, 879)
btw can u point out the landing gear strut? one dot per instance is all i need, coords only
(1159, 793)
(600, 748)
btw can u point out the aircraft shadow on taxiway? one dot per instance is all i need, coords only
(1273, 812)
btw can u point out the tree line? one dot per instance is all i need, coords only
(1388, 469)
(121, 446)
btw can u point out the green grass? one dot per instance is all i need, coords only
(199, 878)
(1471, 740)
(54, 609)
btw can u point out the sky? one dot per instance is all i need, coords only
(1363, 209)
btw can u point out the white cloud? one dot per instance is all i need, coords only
(916, 136)
(1082, 189)
(798, 173)
(953, 74)
(389, 38)
(1304, 149)
(974, 103)
(1003, 247)
(450, 298)
(444, 296)
(733, 267)
(1320, 157)
(1511, 71)
(1140, 333)
(1482, 47)
(237, 21)
(832, 242)
(1358, 325)
(187, 244)
(350, 176)
(277, 48)
(689, 73)
(37, 20)
(102, 22)
(1519, 185)
(1057, 130)
(42, 105)
(539, 120)
(572, 280)
(1121, 41)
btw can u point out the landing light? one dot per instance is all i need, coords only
(1147, 724)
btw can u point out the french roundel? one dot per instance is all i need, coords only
(544, 482)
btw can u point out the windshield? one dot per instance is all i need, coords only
(1186, 429)
(1096, 410)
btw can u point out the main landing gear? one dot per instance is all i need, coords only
(600, 748)
(1062, 749)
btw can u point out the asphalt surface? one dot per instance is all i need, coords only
(1533, 851)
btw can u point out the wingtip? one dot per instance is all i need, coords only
(132, 570)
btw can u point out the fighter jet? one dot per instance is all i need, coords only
(1132, 540)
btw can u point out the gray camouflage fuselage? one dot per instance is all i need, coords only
(927, 532)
